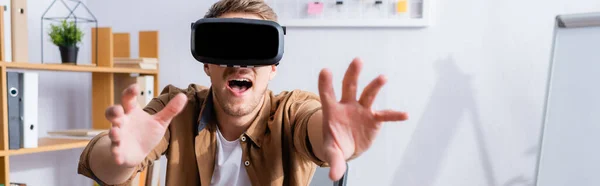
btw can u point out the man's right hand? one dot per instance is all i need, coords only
(134, 132)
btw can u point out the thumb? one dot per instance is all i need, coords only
(175, 105)
(336, 162)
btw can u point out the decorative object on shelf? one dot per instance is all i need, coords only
(69, 25)
(66, 36)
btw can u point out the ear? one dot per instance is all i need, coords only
(273, 72)
(206, 70)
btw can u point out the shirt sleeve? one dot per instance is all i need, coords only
(302, 106)
(155, 105)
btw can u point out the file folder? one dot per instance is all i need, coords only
(145, 84)
(147, 89)
(122, 82)
(14, 112)
(29, 109)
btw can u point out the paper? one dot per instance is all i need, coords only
(401, 6)
(315, 8)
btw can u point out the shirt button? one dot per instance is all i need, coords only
(247, 163)
(243, 138)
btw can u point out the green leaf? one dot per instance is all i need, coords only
(65, 34)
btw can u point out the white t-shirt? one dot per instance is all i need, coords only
(229, 169)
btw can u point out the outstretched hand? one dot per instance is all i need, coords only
(350, 125)
(134, 132)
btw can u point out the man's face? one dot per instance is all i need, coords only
(238, 91)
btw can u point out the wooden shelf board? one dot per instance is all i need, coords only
(51, 144)
(73, 68)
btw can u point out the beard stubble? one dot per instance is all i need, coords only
(230, 106)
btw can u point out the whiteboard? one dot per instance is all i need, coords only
(570, 142)
(352, 13)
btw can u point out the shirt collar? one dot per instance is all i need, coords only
(206, 111)
(257, 127)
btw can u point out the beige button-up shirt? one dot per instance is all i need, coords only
(276, 148)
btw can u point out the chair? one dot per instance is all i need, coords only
(342, 181)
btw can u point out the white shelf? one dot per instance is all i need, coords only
(354, 13)
(414, 23)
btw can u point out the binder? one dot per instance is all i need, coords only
(141, 97)
(19, 31)
(14, 112)
(29, 109)
(122, 81)
(145, 84)
(146, 89)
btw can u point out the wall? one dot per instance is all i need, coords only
(64, 103)
(473, 84)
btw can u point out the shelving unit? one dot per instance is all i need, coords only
(74, 68)
(50, 144)
(103, 89)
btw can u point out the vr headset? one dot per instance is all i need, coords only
(237, 42)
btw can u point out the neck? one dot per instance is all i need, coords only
(232, 127)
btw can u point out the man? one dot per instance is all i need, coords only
(237, 132)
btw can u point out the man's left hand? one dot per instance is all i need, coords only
(350, 125)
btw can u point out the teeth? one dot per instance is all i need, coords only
(246, 80)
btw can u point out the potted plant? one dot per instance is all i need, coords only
(66, 36)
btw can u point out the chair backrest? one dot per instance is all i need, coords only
(342, 181)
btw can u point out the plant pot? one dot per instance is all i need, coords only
(68, 54)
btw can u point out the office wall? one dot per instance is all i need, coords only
(64, 103)
(473, 84)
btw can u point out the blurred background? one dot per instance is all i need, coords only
(472, 80)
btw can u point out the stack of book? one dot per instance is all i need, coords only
(141, 63)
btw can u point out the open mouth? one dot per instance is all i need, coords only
(239, 85)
